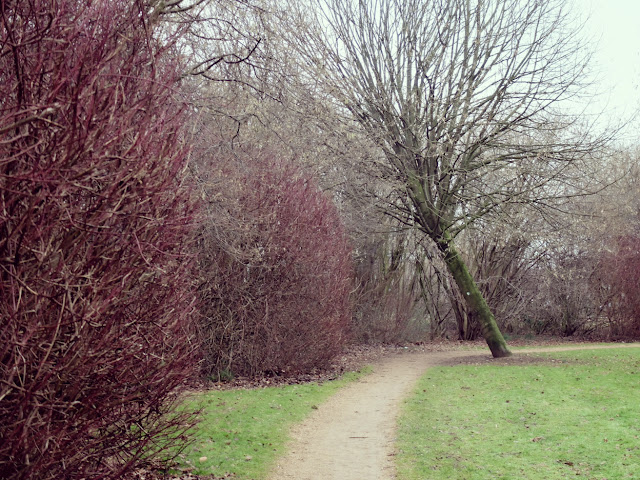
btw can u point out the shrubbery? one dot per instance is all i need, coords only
(95, 335)
(618, 279)
(276, 270)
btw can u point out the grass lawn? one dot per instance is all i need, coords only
(576, 416)
(242, 432)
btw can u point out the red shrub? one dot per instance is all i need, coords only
(618, 279)
(276, 273)
(94, 297)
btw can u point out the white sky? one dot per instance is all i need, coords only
(615, 26)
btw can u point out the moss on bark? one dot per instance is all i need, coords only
(474, 299)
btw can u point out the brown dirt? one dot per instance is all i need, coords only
(351, 436)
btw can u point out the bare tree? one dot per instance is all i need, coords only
(460, 97)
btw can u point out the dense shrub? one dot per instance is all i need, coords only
(618, 277)
(563, 301)
(275, 270)
(95, 335)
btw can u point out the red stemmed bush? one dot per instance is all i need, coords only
(618, 278)
(276, 270)
(95, 304)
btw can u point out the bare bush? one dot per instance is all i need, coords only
(387, 296)
(276, 269)
(501, 263)
(95, 304)
(564, 302)
(618, 277)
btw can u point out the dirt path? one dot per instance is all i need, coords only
(351, 436)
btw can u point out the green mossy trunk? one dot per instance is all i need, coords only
(474, 298)
(430, 221)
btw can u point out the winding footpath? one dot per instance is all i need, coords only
(351, 436)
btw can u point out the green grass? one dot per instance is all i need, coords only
(575, 417)
(584, 344)
(242, 432)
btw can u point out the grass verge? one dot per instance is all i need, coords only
(575, 415)
(242, 432)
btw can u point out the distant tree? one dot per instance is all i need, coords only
(96, 304)
(388, 298)
(460, 98)
(617, 271)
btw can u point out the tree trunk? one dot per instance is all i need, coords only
(475, 301)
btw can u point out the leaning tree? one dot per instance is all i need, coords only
(462, 98)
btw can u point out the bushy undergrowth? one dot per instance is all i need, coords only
(387, 297)
(95, 336)
(275, 270)
(619, 277)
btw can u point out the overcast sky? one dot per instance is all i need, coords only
(615, 26)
